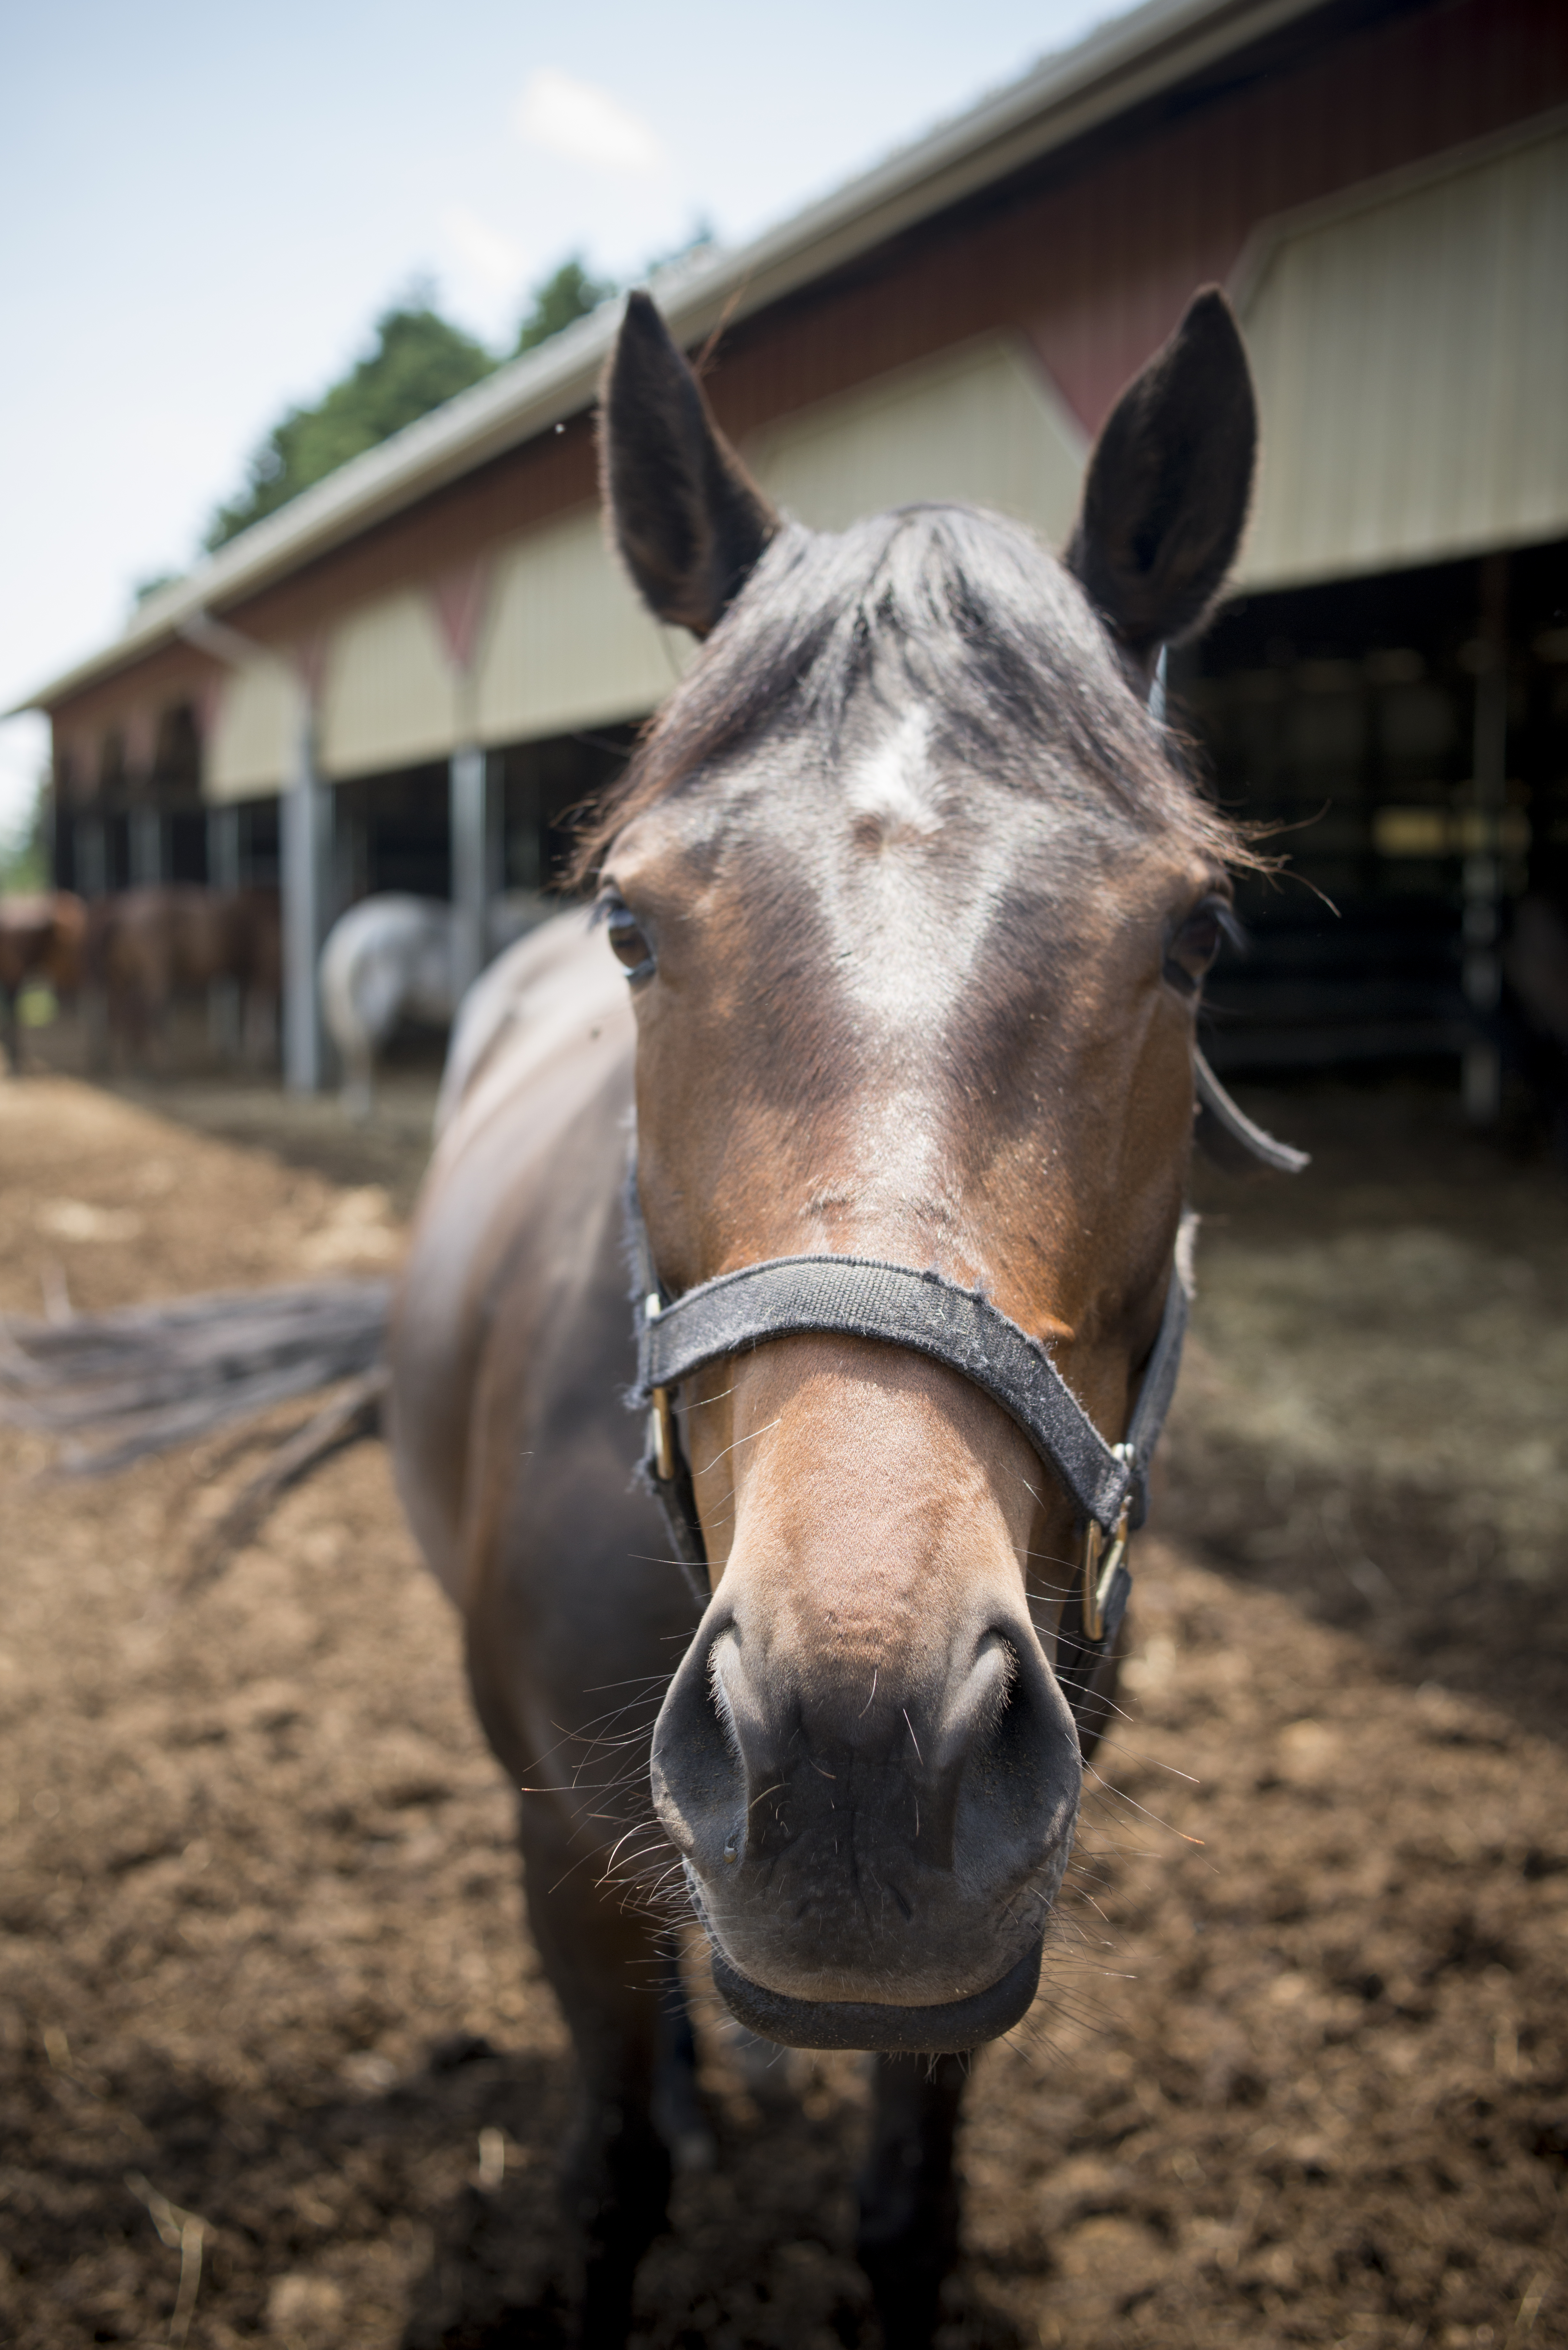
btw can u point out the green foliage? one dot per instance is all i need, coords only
(702, 239)
(24, 852)
(419, 361)
(143, 588)
(562, 300)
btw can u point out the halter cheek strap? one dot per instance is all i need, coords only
(1225, 1133)
(867, 1297)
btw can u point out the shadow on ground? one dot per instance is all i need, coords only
(1374, 1419)
(1385, 1560)
(306, 2206)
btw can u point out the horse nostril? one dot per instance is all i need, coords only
(980, 1702)
(1021, 1773)
(698, 1777)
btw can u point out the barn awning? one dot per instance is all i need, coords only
(1410, 345)
(562, 640)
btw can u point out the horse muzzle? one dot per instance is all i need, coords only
(872, 1873)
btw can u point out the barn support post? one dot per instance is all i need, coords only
(223, 1009)
(147, 829)
(1482, 872)
(471, 879)
(460, 598)
(306, 860)
(495, 839)
(224, 848)
(91, 858)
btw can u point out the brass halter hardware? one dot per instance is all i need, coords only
(1100, 1562)
(660, 1425)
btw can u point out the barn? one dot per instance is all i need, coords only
(410, 675)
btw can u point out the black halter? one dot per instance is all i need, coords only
(864, 1297)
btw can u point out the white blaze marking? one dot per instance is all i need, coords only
(888, 789)
(908, 925)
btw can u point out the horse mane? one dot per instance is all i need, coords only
(958, 607)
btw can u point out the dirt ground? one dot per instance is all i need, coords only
(276, 2061)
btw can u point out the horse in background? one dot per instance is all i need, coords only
(394, 956)
(144, 948)
(41, 937)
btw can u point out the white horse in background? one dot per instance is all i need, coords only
(395, 954)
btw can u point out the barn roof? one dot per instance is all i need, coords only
(1125, 63)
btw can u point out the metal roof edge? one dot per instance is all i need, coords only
(1114, 67)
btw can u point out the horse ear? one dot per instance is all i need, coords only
(1169, 484)
(687, 518)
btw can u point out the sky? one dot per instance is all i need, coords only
(203, 210)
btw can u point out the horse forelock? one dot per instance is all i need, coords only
(946, 608)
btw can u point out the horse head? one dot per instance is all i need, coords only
(915, 903)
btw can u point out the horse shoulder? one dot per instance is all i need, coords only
(520, 1008)
(546, 1061)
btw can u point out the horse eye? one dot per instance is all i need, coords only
(628, 944)
(1195, 945)
(629, 948)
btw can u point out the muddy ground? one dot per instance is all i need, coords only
(276, 2061)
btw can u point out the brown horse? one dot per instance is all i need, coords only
(908, 904)
(40, 939)
(147, 947)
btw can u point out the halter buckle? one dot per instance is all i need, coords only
(661, 1424)
(1101, 1559)
(661, 1435)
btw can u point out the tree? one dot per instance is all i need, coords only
(702, 239)
(23, 845)
(153, 585)
(419, 361)
(562, 300)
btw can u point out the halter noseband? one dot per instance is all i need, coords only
(865, 1297)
